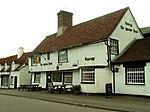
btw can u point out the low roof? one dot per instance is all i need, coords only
(14, 58)
(91, 31)
(138, 51)
(145, 30)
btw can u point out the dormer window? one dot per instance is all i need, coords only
(114, 47)
(63, 56)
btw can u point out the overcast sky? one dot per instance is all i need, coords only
(25, 23)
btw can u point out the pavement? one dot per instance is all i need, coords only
(118, 103)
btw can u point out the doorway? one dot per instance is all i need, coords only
(48, 78)
(15, 82)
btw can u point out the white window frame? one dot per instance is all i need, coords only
(37, 77)
(88, 75)
(63, 56)
(114, 46)
(68, 76)
(135, 76)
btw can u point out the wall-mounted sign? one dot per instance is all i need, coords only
(89, 59)
(128, 24)
(128, 27)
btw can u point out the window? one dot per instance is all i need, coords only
(114, 46)
(88, 75)
(5, 79)
(36, 59)
(135, 75)
(63, 56)
(37, 77)
(48, 56)
(68, 77)
(57, 77)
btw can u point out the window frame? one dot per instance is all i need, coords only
(114, 46)
(48, 56)
(63, 56)
(68, 76)
(132, 75)
(57, 77)
(87, 72)
(37, 79)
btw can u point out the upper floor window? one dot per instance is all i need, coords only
(135, 75)
(48, 56)
(63, 56)
(114, 46)
(88, 75)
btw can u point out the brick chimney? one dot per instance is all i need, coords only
(20, 52)
(64, 21)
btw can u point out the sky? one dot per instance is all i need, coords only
(25, 23)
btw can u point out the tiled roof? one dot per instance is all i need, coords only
(23, 58)
(91, 31)
(19, 61)
(138, 51)
(8, 60)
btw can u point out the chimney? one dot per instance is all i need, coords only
(64, 21)
(20, 52)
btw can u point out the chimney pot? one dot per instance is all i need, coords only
(20, 52)
(64, 21)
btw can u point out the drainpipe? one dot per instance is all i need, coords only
(110, 65)
(113, 71)
(108, 53)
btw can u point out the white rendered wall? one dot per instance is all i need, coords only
(132, 89)
(77, 55)
(126, 37)
(102, 76)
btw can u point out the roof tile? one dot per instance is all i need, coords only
(91, 31)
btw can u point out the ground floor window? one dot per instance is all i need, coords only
(135, 75)
(4, 80)
(67, 77)
(57, 77)
(37, 77)
(88, 75)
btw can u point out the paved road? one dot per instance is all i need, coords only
(20, 104)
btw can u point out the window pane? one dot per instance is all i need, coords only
(63, 56)
(68, 77)
(57, 77)
(114, 46)
(37, 77)
(88, 75)
(5, 80)
(135, 75)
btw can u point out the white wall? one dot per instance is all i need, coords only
(42, 80)
(132, 89)
(102, 76)
(75, 56)
(14, 73)
(24, 75)
(126, 37)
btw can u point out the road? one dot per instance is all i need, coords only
(20, 104)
